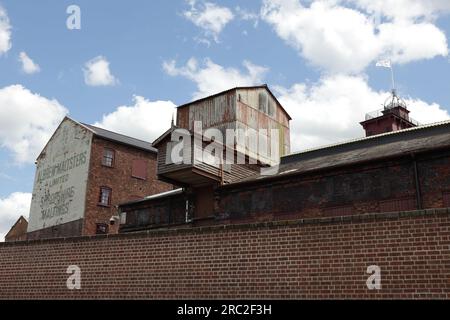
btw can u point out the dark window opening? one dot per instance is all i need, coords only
(101, 228)
(108, 157)
(105, 197)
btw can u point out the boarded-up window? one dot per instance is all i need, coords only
(139, 169)
(105, 196)
(404, 204)
(446, 196)
(108, 157)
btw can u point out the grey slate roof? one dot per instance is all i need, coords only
(393, 144)
(161, 195)
(117, 137)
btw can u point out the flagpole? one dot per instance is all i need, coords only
(393, 80)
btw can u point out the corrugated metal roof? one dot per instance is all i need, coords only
(117, 137)
(393, 144)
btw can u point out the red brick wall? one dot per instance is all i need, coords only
(382, 186)
(64, 230)
(315, 258)
(119, 179)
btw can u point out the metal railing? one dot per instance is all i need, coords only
(381, 112)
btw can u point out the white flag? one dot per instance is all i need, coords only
(384, 63)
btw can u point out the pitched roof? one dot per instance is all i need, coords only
(21, 218)
(161, 195)
(108, 135)
(387, 145)
(164, 135)
(117, 137)
(264, 86)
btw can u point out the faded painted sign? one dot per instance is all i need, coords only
(59, 191)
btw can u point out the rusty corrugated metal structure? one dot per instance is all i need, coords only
(244, 111)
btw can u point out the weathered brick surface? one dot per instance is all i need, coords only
(313, 258)
(355, 189)
(64, 230)
(119, 179)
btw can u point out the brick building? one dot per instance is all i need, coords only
(82, 174)
(18, 231)
(308, 230)
(402, 169)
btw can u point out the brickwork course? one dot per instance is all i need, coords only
(324, 258)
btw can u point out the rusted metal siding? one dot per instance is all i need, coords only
(164, 166)
(183, 117)
(240, 171)
(243, 110)
(249, 116)
(211, 112)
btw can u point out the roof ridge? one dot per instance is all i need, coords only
(120, 134)
(346, 142)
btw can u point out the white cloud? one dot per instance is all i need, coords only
(149, 119)
(5, 32)
(28, 65)
(209, 16)
(11, 208)
(212, 78)
(97, 73)
(27, 121)
(330, 110)
(339, 38)
(246, 15)
(404, 9)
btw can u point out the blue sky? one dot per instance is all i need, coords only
(319, 57)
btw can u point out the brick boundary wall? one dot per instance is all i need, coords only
(323, 258)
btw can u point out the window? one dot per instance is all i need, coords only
(123, 217)
(105, 196)
(271, 108)
(263, 102)
(101, 228)
(108, 157)
(139, 169)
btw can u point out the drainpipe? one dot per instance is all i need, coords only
(187, 211)
(188, 219)
(417, 181)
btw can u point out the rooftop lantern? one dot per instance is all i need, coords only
(393, 117)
